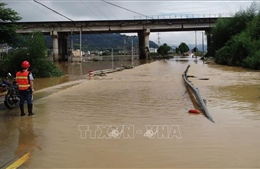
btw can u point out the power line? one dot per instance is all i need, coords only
(158, 38)
(109, 10)
(90, 9)
(99, 10)
(53, 10)
(126, 9)
(33, 5)
(68, 18)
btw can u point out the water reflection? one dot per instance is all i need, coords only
(77, 70)
(8, 138)
(17, 138)
(231, 88)
(244, 97)
(150, 94)
(27, 139)
(82, 68)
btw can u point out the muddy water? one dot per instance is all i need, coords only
(76, 71)
(148, 107)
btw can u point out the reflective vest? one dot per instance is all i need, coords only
(23, 80)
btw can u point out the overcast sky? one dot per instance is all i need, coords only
(129, 9)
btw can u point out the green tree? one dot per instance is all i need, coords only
(183, 47)
(8, 31)
(195, 49)
(242, 49)
(226, 28)
(164, 49)
(34, 50)
(253, 62)
(177, 50)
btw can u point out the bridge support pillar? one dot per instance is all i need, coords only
(55, 46)
(63, 47)
(144, 44)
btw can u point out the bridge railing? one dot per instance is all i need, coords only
(179, 16)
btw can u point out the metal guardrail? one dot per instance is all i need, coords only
(180, 16)
(197, 95)
(103, 72)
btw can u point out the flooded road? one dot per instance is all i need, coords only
(138, 118)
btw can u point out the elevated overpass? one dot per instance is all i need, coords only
(61, 29)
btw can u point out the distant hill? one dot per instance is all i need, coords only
(100, 41)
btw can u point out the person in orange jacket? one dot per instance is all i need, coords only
(25, 79)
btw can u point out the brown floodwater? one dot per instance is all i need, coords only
(138, 118)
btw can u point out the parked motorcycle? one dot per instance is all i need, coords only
(3, 87)
(12, 95)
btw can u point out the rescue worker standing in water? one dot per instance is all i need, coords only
(25, 79)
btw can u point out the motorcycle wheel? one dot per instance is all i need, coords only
(9, 101)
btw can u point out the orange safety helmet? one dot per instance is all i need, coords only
(25, 64)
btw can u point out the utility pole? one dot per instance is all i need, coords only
(80, 42)
(202, 44)
(125, 49)
(136, 51)
(2, 51)
(132, 50)
(7, 48)
(158, 38)
(71, 41)
(112, 55)
(196, 39)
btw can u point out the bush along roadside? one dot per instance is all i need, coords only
(32, 48)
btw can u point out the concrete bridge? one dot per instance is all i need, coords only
(61, 29)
